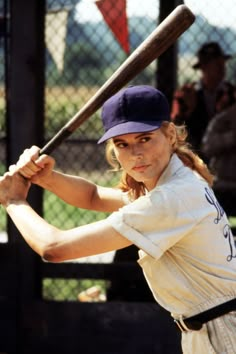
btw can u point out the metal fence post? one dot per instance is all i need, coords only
(166, 79)
(25, 81)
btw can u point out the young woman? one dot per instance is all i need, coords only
(164, 204)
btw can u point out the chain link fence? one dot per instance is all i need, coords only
(83, 49)
(215, 21)
(90, 52)
(82, 54)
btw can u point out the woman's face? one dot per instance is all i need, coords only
(144, 156)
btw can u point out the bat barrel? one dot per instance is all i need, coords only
(155, 44)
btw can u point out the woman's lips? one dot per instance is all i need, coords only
(141, 168)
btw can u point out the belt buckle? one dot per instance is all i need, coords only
(187, 327)
(181, 325)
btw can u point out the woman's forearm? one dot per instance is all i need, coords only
(82, 193)
(73, 190)
(34, 229)
(57, 245)
(76, 191)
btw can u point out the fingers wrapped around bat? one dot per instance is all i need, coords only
(27, 165)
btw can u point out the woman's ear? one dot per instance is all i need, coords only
(112, 157)
(172, 134)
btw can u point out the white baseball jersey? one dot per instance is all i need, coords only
(187, 250)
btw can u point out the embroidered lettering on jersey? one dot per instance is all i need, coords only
(213, 201)
(229, 236)
(210, 197)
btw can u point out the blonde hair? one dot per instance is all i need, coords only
(181, 147)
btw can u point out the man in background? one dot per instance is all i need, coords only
(196, 103)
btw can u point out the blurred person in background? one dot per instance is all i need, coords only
(219, 146)
(196, 103)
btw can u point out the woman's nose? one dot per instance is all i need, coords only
(136, 151)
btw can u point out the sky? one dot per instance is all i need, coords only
(218, 12)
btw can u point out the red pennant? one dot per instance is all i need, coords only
(114, 13)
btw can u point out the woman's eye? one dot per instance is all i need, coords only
(121, 145)
(145, 139)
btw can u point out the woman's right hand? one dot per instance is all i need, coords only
(33, 166)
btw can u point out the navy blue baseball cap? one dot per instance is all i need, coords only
(135, 109)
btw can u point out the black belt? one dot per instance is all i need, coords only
(195, 322)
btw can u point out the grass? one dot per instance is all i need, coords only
(232, 221)
(69, 289)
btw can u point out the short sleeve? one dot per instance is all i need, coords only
(154, 222)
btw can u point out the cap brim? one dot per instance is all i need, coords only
(198, 64)
(129, 128)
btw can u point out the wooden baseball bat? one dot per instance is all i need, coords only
(151, 48)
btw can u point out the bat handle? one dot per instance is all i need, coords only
(61, 136)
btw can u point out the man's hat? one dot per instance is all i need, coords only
(135, 109)
(208, 52)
